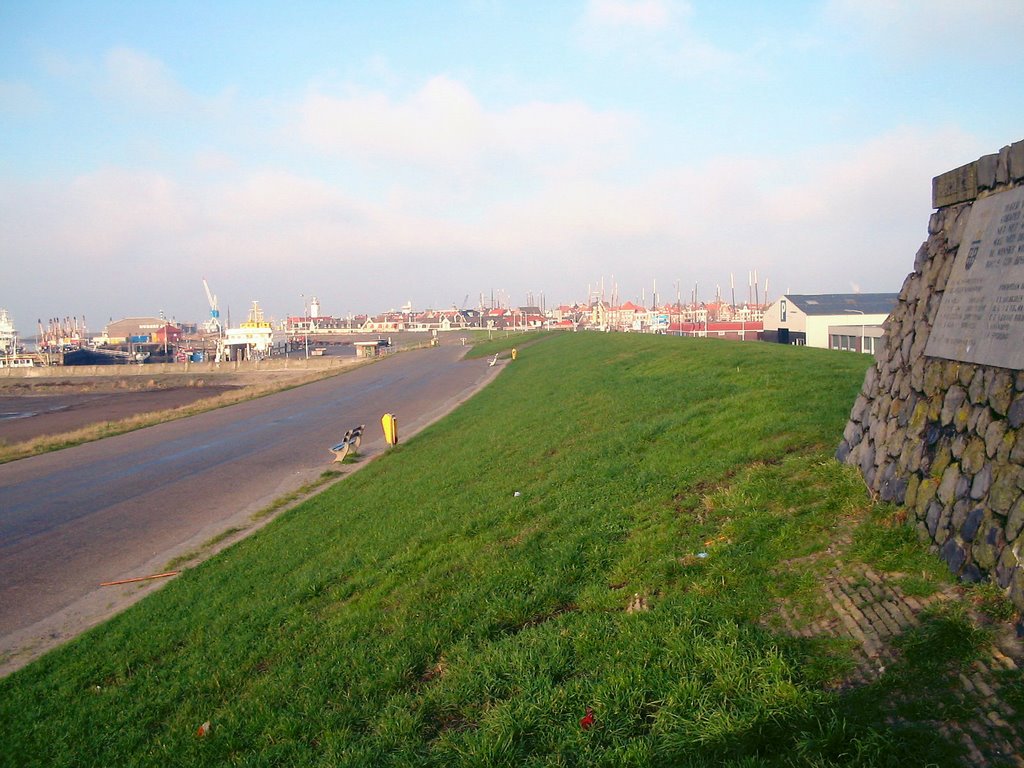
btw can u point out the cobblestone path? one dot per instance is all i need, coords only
(870, 609)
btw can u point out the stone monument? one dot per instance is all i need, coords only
(937, 426)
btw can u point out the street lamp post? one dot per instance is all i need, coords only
(859, 312)
(163, 320)
(305, 320)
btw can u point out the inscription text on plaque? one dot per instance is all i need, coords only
(981, 317)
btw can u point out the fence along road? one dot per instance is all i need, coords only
(124, 506)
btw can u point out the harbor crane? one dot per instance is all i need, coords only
(213, 324)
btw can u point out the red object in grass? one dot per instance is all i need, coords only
(587, 720)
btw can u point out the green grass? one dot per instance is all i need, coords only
(891, 545)
(462, 600)
(992, 602)
(487, 344)
(204, 550)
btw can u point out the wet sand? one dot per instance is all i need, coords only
(24, 417)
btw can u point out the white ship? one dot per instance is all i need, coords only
(252, 340)
(8, 335)
(11, 354)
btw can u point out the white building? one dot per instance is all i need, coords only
(855, 338)
(807, 319)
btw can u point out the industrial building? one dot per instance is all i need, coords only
(140, 330)
(828, 320)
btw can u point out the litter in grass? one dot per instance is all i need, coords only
(203, 730)
(587, 720)
(637, 604)
(139, 578)
(517, 493)
(702, 555)
(435, 671)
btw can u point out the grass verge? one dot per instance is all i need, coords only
(280, 503)
(500, 342)
(603, 530)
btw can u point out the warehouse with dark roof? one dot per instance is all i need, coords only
(807, 318)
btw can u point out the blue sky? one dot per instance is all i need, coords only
(376, 153)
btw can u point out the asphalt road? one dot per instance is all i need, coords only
(123, 506)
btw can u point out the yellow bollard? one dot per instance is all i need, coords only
(514, 353)
(390, 424)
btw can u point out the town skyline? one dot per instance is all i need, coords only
(610, 293)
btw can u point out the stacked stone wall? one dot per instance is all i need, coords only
(946, 438)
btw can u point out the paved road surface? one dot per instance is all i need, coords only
(124, 506)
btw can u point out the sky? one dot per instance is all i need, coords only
(371, 154)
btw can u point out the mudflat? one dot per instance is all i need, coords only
(32, 408)
(25, 417)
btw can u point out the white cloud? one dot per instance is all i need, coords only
(439, 124)
(553, 137)
(136, 81)
(138, 78)
(214, 161)
(444, 127)
(640, 14)
(658, 33)
(857, 213)
(877, 173)
(96, 217)
(818, 220)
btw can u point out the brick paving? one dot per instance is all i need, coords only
(870, 609)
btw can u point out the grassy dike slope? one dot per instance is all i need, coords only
(423, 613)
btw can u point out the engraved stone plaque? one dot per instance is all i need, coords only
(956, 186)
(981, 315)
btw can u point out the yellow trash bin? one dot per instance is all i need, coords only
(390, 424)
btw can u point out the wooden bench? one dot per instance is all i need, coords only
(349, 443)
